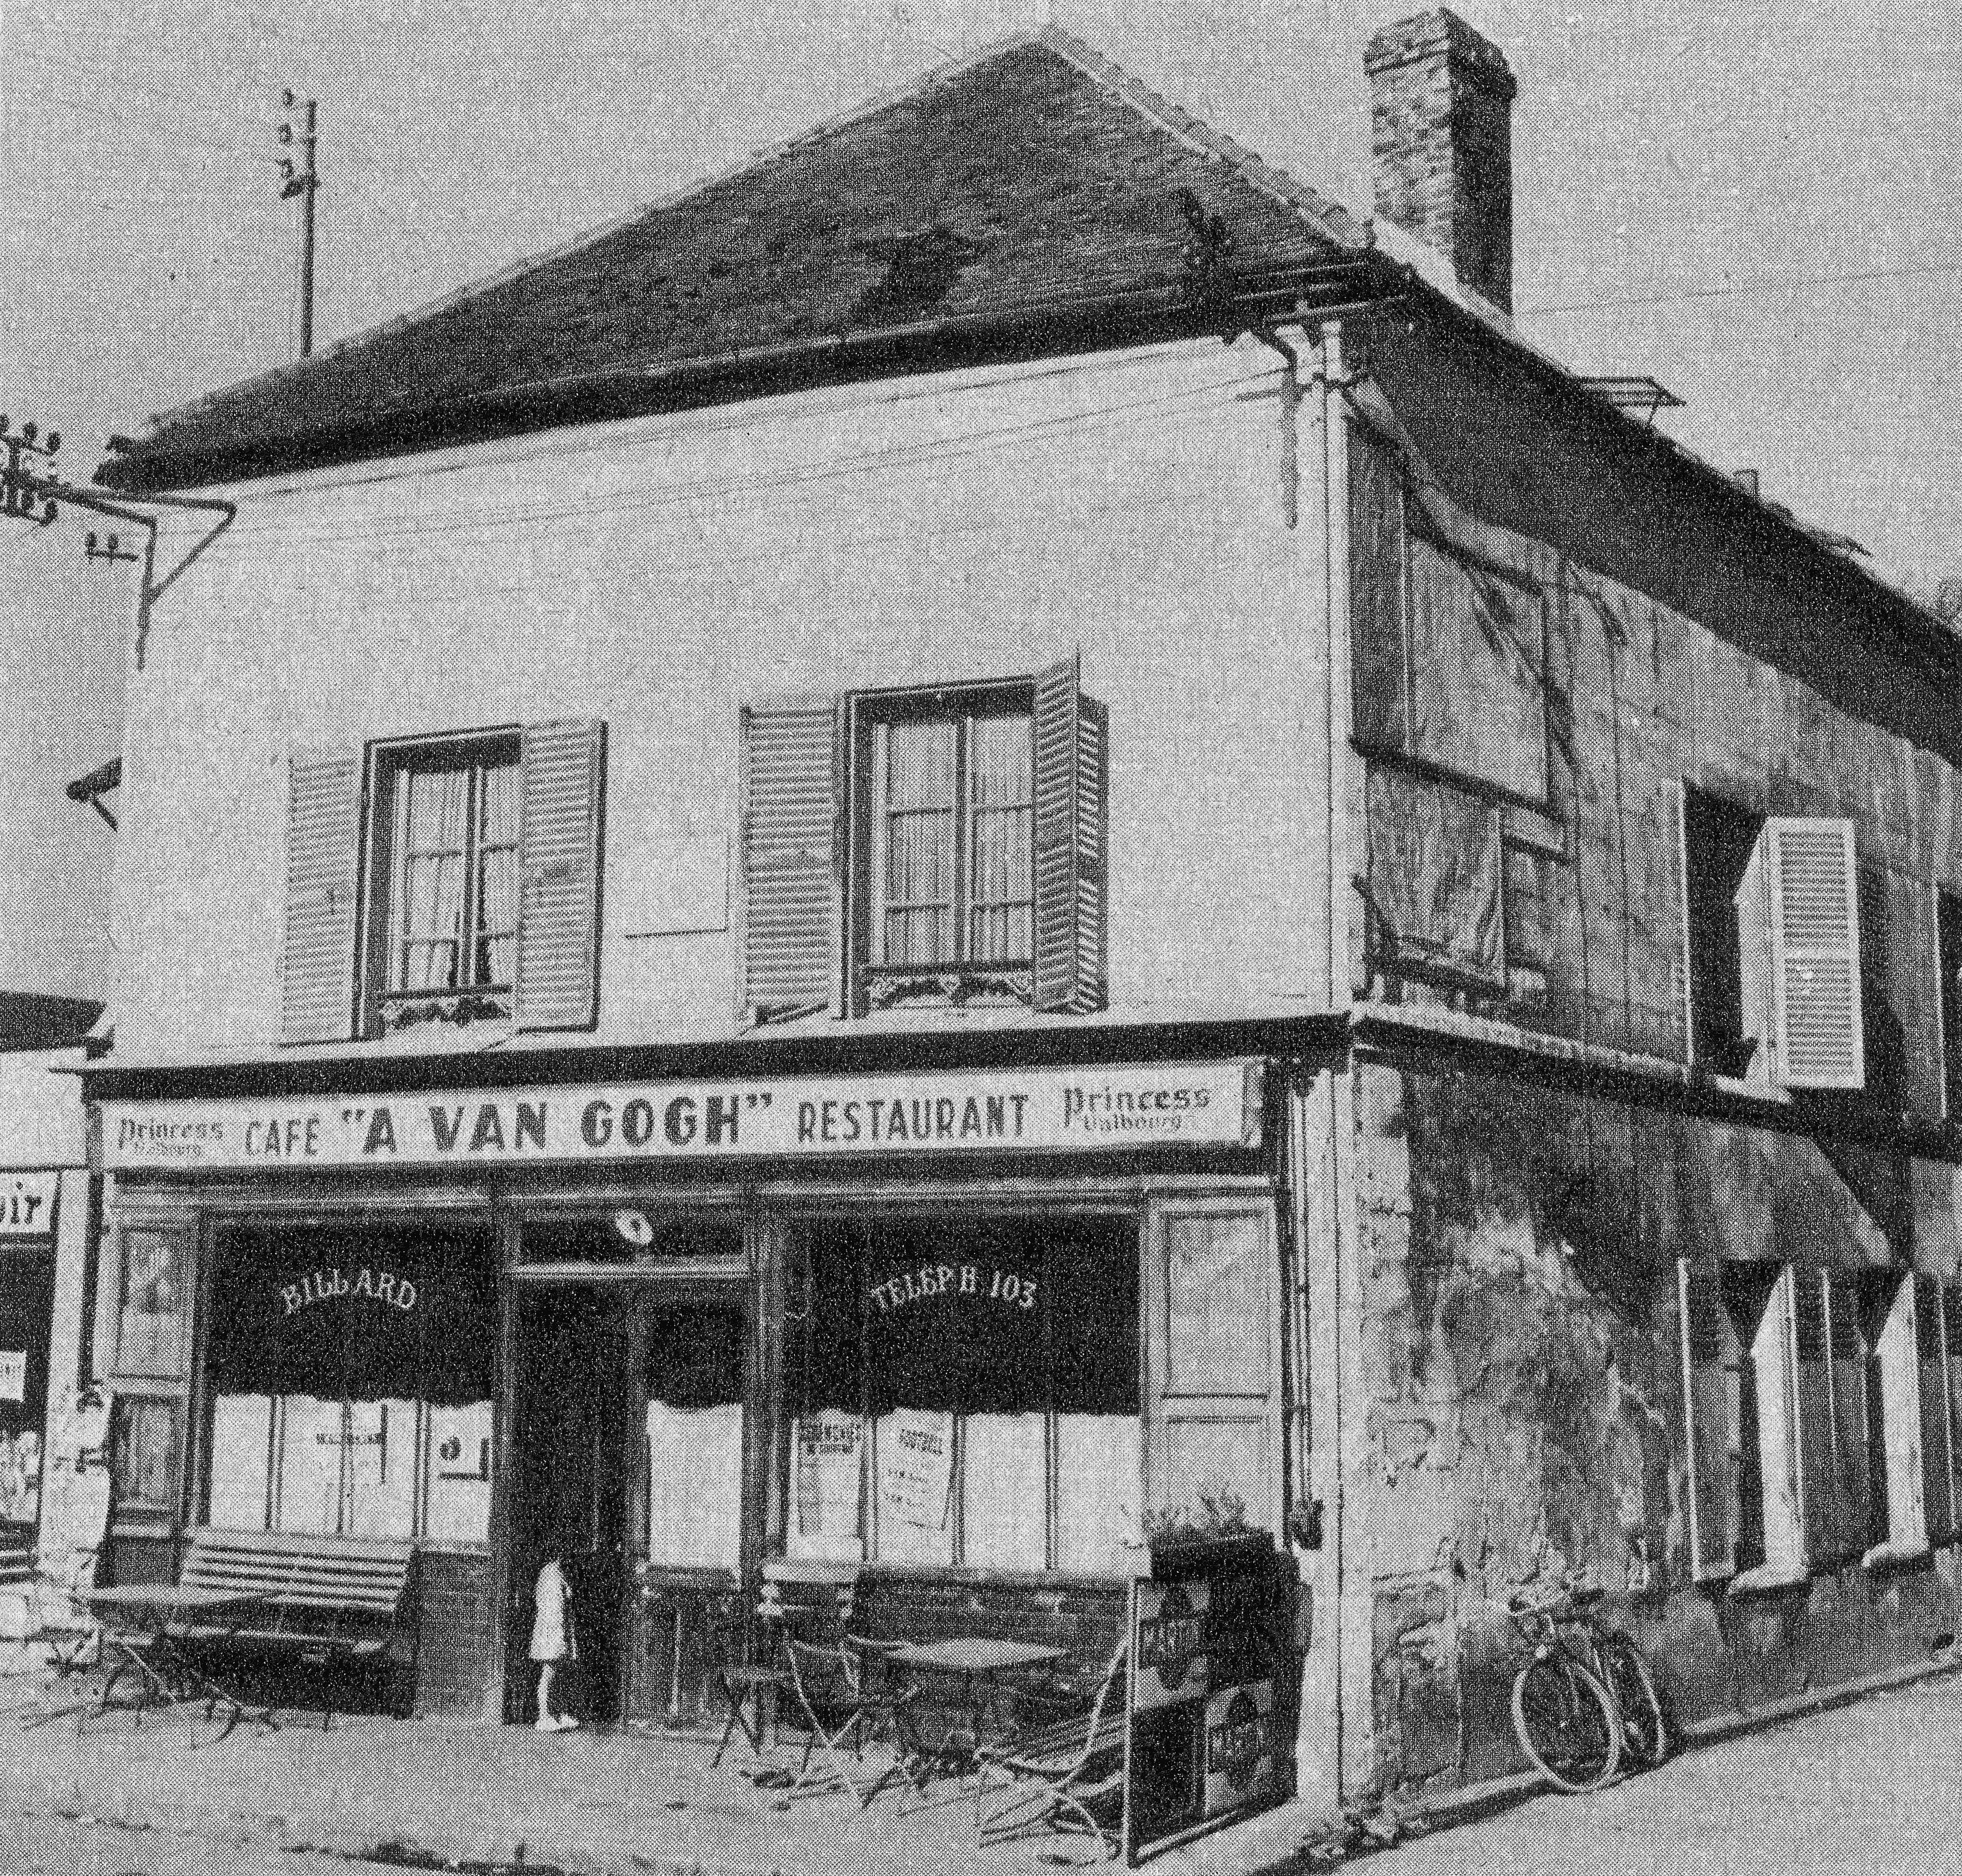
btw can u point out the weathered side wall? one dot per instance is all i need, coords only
(1522, 1376)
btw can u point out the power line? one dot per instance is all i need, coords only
(1757, 283)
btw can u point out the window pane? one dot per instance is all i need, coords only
(1000, 884)
(432, 832)
(1217, 1289)
(916, 812)
(695, 1436)
(151, 1338)
(143, 1453)
(1093, 1265)
(350, 1377)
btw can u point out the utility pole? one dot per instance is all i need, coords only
(302, 179)
(24, 495)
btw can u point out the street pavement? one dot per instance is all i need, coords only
(1870, 1788)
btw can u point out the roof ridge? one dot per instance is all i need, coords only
(1330, 220)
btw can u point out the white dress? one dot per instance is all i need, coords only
(552, 1637)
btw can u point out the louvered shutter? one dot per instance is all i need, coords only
(1072, 823)
(1937, 1491)
(791, 878)
(1818, 1452)
(323, 882)
(560, 772)
(1951, 1327)
(1846, 1337)
(1711, 1356)
(1817, 1035)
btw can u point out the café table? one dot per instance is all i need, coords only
(143, 1635)
(983, 1665)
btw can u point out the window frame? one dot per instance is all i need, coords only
(874, 983)
(1948, 987)
(381, 878)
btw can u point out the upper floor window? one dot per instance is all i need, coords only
(454, 877)
(949, 868)
(445, 865)
(1772, 911)
(944, 845)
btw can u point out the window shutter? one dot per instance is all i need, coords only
(790, 870)
(1212, 1359)
(1817, 1038)
(1776, 1391)
(1846, 1338)
(1952, 1336)
(323, 882)
(1378, 676)
(1071, 764)
(1937, 1491)
(1818, 1452)
(1711, 1356)
(561, 773)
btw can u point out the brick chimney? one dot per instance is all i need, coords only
(1440, 120)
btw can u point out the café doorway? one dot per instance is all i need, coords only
(628, 1423)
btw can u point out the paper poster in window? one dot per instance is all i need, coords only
(830, 1479)
(20, 1477)
(459, 1486)
(915, 1468)
(13, 1374)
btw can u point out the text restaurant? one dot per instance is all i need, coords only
(992, 1329)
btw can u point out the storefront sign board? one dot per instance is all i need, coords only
(27, 1203)
(1202, 1104)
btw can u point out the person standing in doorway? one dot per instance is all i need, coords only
(554, 1640)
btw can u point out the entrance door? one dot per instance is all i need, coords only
(572, 1484)
(628, 1429)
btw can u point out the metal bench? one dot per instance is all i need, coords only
(323, 1603)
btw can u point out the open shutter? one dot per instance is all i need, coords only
(1072, 767)
(323, 882)
(561, 766)
(1711, 1359)
(1818, 1039)
(1846, 1337)
(791, 880)
(1213, 1360)
(1937, 1491)
(1818, 1451)
(1775, 1391)
(1952, 1336)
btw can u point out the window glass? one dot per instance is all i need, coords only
(27, 1295)
(152, 1337)
(350, 1387)
(1216, 1289)
(694, 1435)
(449, 903)
(965, 1391)
(1718, 841)
(143, 1447)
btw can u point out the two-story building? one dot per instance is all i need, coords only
(999, 838)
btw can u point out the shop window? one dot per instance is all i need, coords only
(27, 1297)
(1448, 655)
(350, 1384)
(967, 1392)
(941, 846)
(444, 873)
(453, 878)
(1772, 912)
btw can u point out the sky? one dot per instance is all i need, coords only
(1747, 202)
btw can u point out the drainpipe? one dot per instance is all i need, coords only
(1290, 407)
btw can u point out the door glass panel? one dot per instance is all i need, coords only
(1216, 1288)
(695, 1436)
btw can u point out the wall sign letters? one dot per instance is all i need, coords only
(27, 1203)
(1203, 1104)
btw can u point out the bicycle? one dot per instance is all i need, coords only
(1584, 1701)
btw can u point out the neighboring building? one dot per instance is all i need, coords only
(862, 899)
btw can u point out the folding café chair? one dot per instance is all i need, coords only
(837, 1706)
(1061, 1766)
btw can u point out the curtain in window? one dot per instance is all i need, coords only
(1001, 791)
(919, 835)
(497, 877)
(432, 823)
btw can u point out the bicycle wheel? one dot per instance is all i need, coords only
(1565, 1720)
(1645, 1732)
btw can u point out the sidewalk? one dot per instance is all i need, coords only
(438, 1793)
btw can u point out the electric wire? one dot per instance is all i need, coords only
(1767, 284)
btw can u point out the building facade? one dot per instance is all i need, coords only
(968, 929)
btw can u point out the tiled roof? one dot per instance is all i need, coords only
(1034, 180)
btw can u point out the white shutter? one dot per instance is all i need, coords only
(1818, 1039)
(322, 883)
(562, 769)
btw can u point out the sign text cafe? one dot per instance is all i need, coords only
(1200, 1104)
